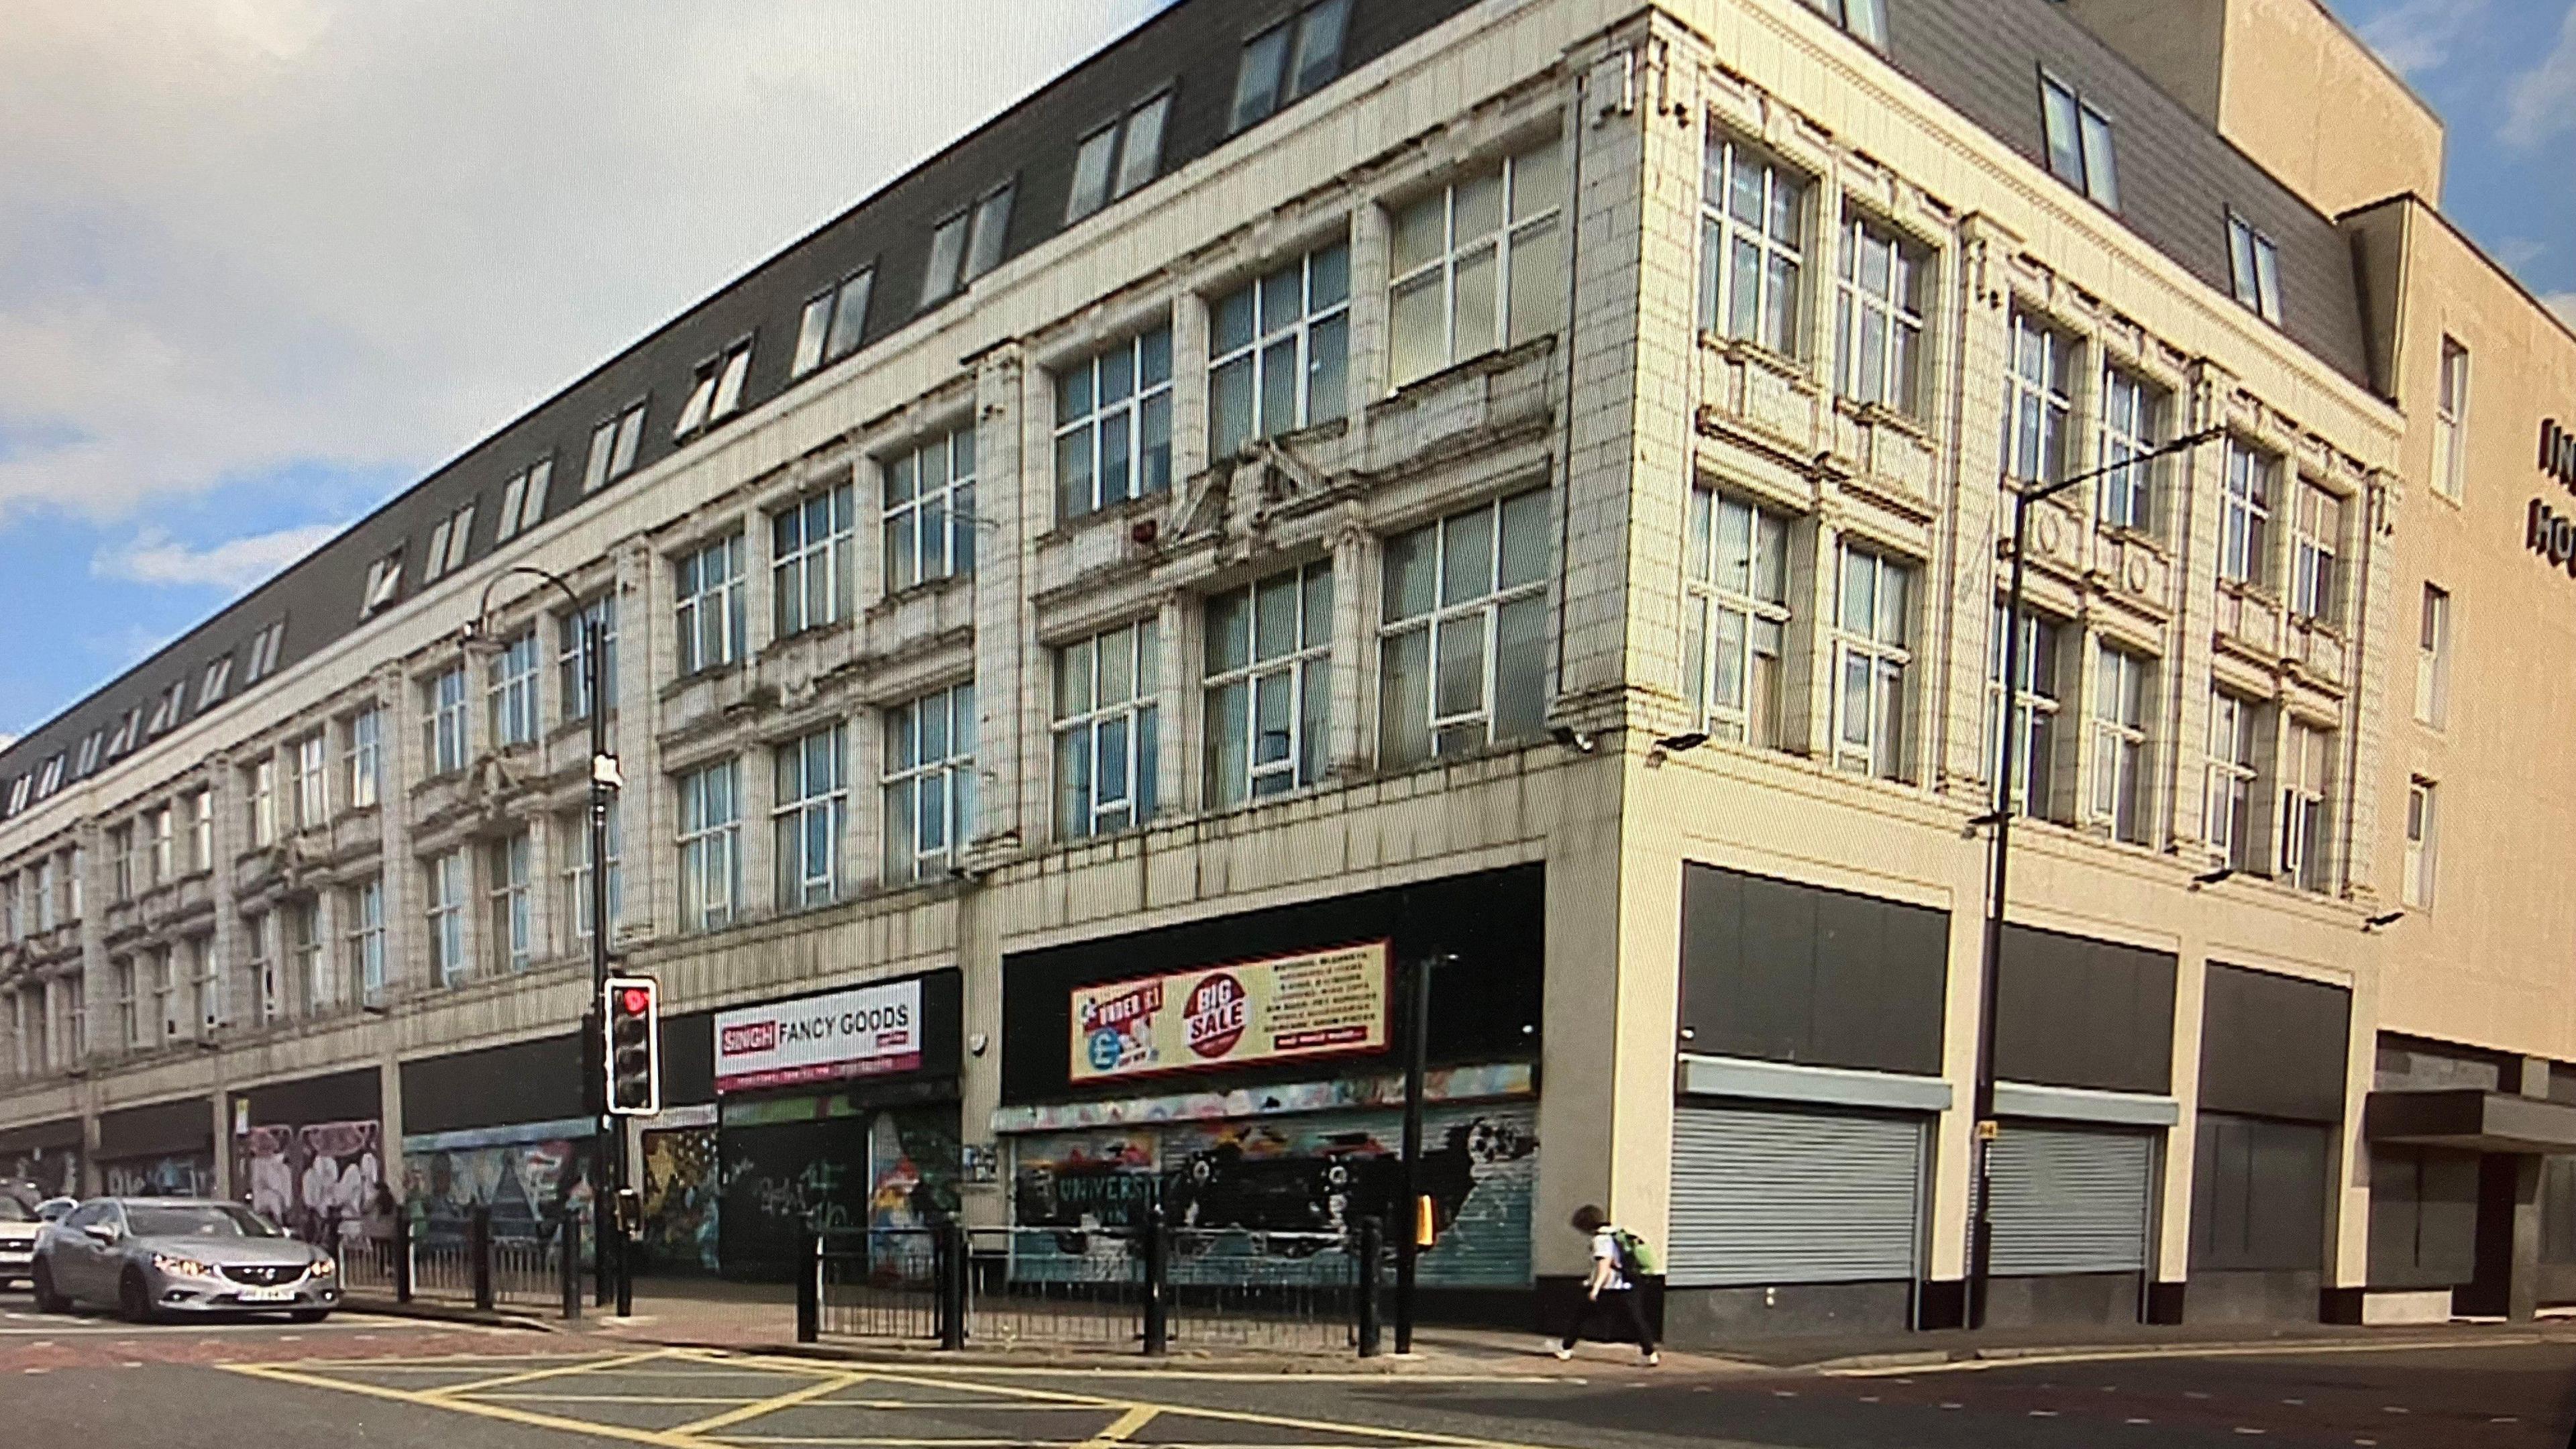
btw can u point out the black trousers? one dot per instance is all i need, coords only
(1621, 1308)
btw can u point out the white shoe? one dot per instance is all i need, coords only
(1654, 1360)
(1561, 1351)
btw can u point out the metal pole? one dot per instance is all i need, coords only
(478, 1244)
(1372, 1248)
(1408, 1246)
(1981, 1226)
(608, 1150)
(570, 1243)
(809, 1291)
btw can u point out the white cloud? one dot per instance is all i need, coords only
(250, 234)
(2417, 35)
(2541, 102)
(2564, 304)
(6, 740)
(153, 557)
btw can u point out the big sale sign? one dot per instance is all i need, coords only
(1320, 1003)
(856, 1033)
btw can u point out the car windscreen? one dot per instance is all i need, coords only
(213, 1220)
(14, 1211)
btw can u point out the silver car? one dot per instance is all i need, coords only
(151, 1256)
(19, 1227)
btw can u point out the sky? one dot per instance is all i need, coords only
(268, 262)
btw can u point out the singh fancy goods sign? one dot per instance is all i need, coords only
(862, 1032)
(1321, 1003)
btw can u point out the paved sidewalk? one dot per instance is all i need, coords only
(761, 1317)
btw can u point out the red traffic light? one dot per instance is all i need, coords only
(633, 1000)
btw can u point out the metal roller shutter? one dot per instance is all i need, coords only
(2071, 1200)
(1763, 1196)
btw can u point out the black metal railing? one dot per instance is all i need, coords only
(480, 1268)
(1132, 1289)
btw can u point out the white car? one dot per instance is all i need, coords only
(19, 1226)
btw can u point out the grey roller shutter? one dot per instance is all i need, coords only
(2070, 1200)
(1763, 1196)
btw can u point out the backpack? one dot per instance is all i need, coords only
(1636, 1256)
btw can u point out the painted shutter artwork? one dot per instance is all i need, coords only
(1763, 1196)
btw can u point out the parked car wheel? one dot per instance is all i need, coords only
(47, 1300)
(133, 1299)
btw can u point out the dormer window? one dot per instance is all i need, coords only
(717, 393)
(384, 580)
(89, 751)
(447, 545)
(967, 245)
(612, 447)
(219, 677)
(2255, 263)
(523, 500)
(1293, 58)
(2079, 142)
(168, 709)
(263, 653)
(830, 327)
(1118, 158)
(50, 778)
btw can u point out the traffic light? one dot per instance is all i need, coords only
(633, 1011)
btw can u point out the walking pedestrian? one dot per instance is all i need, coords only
(378, 1223)
(1610, 1291)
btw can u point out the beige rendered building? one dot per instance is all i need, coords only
(1512, 484)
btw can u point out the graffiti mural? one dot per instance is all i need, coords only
(831, 1169)
(54, 1170)
(185, 1174)
(1239, 1183)
(682, 1200)
(313, 1180)
(527, 1175)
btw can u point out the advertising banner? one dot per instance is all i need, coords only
(1320, 1003)
(862, 1032)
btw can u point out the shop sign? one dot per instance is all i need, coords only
(1319, 1003)
(863, 1032)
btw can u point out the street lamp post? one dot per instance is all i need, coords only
(1981, 1227)
(608, 1159)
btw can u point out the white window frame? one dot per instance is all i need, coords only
(1766, 308)
(812, 574)
(1524, 245)
(1087, 421)
(833, 322)
(2236, 726)
(1097, 722)
(2123, 693)
(514, 936)
(303, 938)
(1879, 316)
(365, 758)
(570, 640)
(1863, 20)
(120, 849)
(928, 784)
(1118, 156)
(2253, 481)
(2307, 769)
(258, 930)
(708, 607)
(219, 677)
(710, 846)
(1735, 618)
(1461, 624)
(206, 977)
(2451, 422)
(263, 801)
(2134, 413)
(2039, 698)
(614, 443)
(164, 846)
(510, 692)
(264, 647)
(927, 523)
(1280, 351)
(2316, 537)
(367, 938)
(129, 1004)
(809, 817)
(576, 875)
(310, 765)
(444, 877)
(1241, 681)
(447, 545)
(1872, 660)
(2433, 658)
(2423, 836)
(384, 582)
(445, 721)
(2039, 398)
(715, 391)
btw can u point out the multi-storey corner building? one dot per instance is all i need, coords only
(1513, 484)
